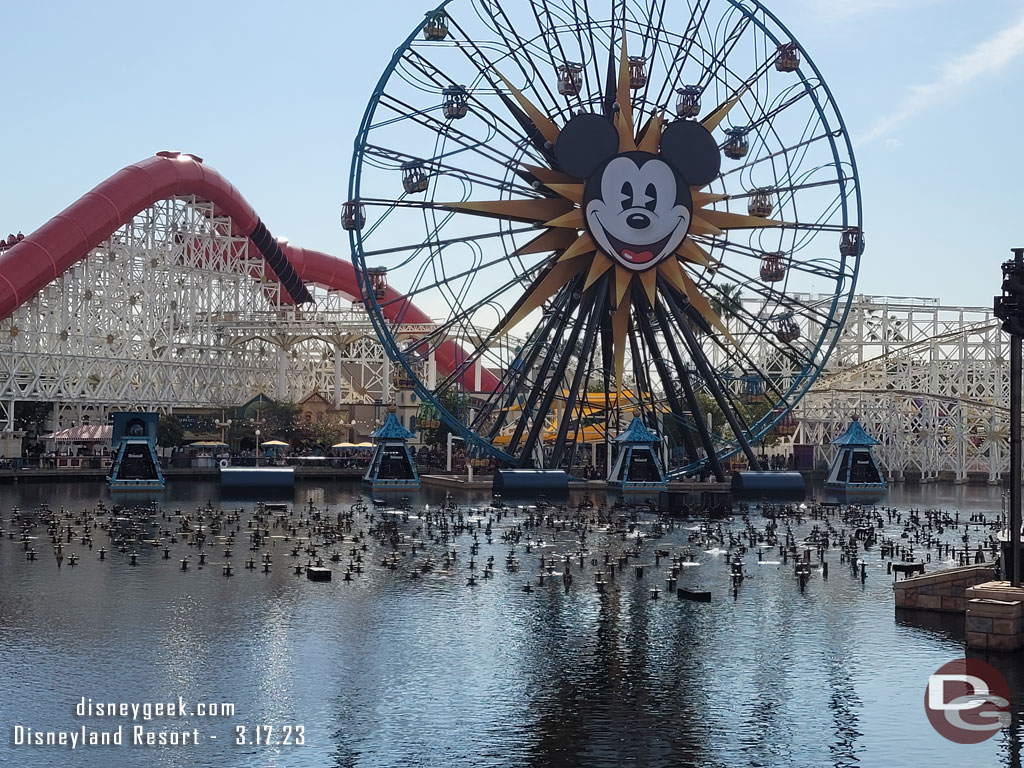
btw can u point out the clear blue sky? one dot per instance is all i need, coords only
(271, 96)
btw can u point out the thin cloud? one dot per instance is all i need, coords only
(957, 73)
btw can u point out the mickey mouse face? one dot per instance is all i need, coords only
(637, 205)
(637, 209)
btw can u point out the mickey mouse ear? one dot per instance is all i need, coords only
(689, 147)
(584, 143)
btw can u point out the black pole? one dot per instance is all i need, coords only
(1015, 440)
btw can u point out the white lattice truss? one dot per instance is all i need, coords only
(174, 310)
(931, 382)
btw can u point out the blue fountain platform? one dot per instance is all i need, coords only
(257, 478)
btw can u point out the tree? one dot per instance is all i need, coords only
(726, 300)
(317, 435)
(438, 436)
(169, 431)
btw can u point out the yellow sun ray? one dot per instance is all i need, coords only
(623, 278)
(582, 245)
(727, 221)
(671, 270)
(620, 325)
(651, 140)
(700, 227)
(700, 199)
(701, 304)
(573, 219)
(713, 120)
(624, 118)
(649, 280)
(598, 266)
(556, 277)
(691, 251)
(544, 124)
(548, 240)
(548, 176)
(572, 192)
(516, 210)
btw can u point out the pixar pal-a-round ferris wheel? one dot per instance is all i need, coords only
(606, 208)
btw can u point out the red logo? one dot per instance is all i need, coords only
(967, 701)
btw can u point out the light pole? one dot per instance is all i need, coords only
(1009, 307)
(257, 446)
(224, 426)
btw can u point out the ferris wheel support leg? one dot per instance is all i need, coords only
(673, 397)
(704, 368)
(691, 400)
(529, 406)
(559, 374)
(581, 369)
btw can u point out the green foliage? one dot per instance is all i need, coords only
(726, 300)
(319, 435)
(169, 432)
(454, 403)
(275, 421)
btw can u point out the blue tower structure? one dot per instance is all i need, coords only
(392, 466)
(637, 467)
(136, 467)
(855, 469)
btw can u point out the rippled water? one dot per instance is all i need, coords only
(391, 671)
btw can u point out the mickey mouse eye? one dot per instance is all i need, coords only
(652, 198)
(627, 195)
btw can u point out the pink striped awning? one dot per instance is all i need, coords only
(83, 434)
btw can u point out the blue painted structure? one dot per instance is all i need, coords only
(855, 469)
(530, 482)
(257, 478)
(788, 486)
(637, 467)
(392, 466)
(136, 467)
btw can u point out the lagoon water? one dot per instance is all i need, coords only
(389, 671)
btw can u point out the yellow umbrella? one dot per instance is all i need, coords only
(273, 444)
(344, 445)
(364, 445)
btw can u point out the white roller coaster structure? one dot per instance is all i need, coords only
(173, 309)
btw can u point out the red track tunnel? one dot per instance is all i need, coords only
(27, 267)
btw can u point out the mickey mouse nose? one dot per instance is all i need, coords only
(638, 221)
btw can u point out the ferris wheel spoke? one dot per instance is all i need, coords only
(434, 73)
(753, 161)
(718, 58)
(516, 375)
(515, 51)
(815, 268)
(428, 243)
(734, 349)
(483, 148)
(682, 52)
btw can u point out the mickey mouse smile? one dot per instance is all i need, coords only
(637, 205)
(635, 215)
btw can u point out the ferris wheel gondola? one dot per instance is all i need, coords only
(644, 211)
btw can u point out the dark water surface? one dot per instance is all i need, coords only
(393, 671)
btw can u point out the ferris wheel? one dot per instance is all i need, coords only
(636, 207)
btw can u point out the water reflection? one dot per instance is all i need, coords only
(388, 670)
